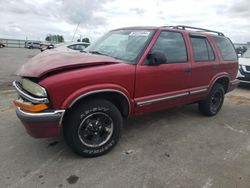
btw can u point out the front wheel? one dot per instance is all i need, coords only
(93, 128)
(213, 103)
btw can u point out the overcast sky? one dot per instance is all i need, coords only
(36, 18)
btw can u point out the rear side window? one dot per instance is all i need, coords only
(172, 45)
(226, 48)
(202, 49)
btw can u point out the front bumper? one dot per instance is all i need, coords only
(43, 124)
(39, 124)
(243, 75)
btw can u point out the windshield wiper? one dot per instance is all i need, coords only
(96, 52)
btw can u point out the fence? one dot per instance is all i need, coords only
(13, 43)
(247, 45)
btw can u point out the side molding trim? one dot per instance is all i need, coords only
(160, 99)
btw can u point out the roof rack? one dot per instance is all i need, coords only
(184, 27)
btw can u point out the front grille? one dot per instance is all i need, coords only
(244, 79)
(248, 68)
(244, 73)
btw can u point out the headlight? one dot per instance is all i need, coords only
(33, 88)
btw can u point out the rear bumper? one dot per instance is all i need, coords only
(43, 124)
(232, 85)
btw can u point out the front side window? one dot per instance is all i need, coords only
(125, 45)
(202, 49)
(172, 45)
(226, 48)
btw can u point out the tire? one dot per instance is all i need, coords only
(93, 128)
(213, 103)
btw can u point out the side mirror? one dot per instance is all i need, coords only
(156, 58)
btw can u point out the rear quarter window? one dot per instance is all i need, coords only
(226, 48)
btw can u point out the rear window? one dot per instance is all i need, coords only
(226, 48)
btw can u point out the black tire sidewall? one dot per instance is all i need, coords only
(76, 117)
(217, 88)
(205, 105)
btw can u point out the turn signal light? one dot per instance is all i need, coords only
(30, 107)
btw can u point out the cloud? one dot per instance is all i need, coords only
(139, 11)
(36, 18)
(239, 9)
(76, 11)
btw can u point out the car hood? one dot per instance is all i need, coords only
(48, 62)
(244, 61)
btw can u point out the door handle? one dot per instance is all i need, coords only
(188, 69)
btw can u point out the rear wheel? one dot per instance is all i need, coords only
(213, 103)
(93, 128)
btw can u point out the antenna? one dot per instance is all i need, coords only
(75, 32)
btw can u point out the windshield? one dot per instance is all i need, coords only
(246, 54)
(125, 45)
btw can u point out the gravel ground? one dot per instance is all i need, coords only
(172, 148)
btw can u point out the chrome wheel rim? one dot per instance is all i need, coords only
(96, 129)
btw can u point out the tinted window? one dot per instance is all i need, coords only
(172, 45)
(226, 48)
(202, 49)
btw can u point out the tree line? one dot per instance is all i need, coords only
(59, 38)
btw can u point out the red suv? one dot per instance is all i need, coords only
(128, 72)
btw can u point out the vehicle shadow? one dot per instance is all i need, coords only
(169, 117)
(244, 86)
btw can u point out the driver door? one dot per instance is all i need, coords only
(164, 85)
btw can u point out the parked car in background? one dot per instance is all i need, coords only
(78, 46)
(2, 44)
(128, 72)
(71, 47)
(244, 68)
(241, 50)
(45, 46)
(33, 44)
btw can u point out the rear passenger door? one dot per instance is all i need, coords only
(204, 63)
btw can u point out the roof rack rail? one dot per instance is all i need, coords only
(184, 27)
